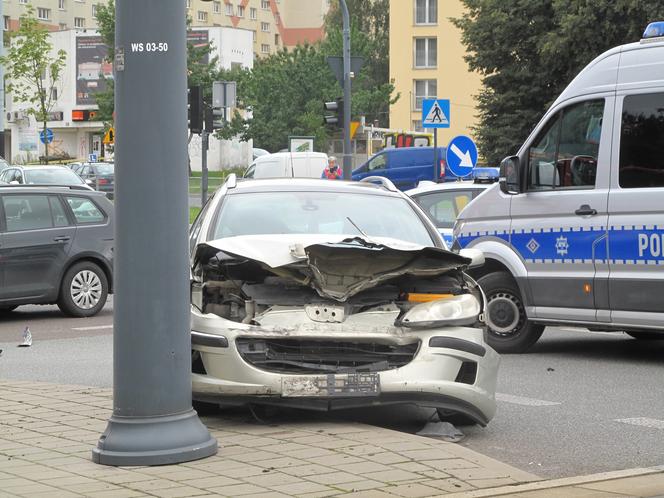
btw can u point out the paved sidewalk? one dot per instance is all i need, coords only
(47, 432)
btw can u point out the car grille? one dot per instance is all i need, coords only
(314, 357)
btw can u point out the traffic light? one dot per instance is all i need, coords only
(214, 118)
(195, 109)
(337, 108)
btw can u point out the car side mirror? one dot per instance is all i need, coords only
(510, 175)
(475, 255)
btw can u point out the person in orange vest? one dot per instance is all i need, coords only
(332, 171)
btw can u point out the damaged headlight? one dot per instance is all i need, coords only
(456, 310)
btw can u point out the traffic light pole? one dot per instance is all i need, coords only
(205, 144)
(153, 422)
(348, 160)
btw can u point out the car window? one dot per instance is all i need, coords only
(320, 213)
(250, 172)
(4, 175)
(642, 141)
(104, 169)
(564, 155)
(58, 212)
(444, 207)
(53, 176)
(85, 211)
(27, 212)
(378, 162)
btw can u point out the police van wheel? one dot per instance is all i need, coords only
(510, 331)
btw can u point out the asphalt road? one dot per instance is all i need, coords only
(579, 403)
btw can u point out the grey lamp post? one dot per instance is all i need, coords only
(153, 422)
(348, 160)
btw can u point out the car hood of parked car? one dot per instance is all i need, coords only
(336, 267)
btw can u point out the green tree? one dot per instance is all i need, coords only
(527, 51)
(372, 88)
(106, 25)
(32, 72)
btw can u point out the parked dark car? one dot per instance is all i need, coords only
(100, 176)
(56, 247)
(41, 175)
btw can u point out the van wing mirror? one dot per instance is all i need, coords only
(510, 175)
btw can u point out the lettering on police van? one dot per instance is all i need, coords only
(651, 244)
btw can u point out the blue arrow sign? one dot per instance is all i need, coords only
(48, 138)
(461, 156)
(435, 113)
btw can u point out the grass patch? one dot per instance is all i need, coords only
(193, 212)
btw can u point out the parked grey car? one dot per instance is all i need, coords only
(56, 246)
(100, 176)
(41, 175)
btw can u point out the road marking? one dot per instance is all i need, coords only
(643, 422)
(96, 327)
(520, 400)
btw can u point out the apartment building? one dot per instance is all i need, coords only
(274, 23)
(427, 61)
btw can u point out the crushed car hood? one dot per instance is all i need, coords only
(336, 269)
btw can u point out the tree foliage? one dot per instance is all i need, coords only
(32, 72)
(528, 50)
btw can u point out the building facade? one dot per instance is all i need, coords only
(427, 61)
(274, 23)
(76, 133)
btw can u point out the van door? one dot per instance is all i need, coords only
(376, 166)
(559, 223)
(410, 166)
(636, 212)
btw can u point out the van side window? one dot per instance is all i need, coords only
(378, 162)
(642, 141)
(564, 155)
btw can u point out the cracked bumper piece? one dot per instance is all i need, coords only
(345, 365)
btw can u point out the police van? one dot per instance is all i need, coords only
(574, 233)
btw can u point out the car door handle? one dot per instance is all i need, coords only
(585, 210)
(62, 238)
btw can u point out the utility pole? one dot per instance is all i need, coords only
(153, 422)
(348, 160)
(2, 94)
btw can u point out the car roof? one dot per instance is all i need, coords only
(42, 167)
(308, 185)
(49, 188)
(434, 187)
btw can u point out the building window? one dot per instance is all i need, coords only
(216, 7)
(424, 89)
(43, 14)
(254, 33)
(95, 9)
(276, 40)
(265, 26)
(265, 4)
(202, 16)
(240, 11)
(253, 13)
(79, 22)
(6, 23)
(62, 26)
(54, 94)
(426, 52)
(61, 4)
(187, 4)
(24, 2)
(426, 11)
(417, 125)
(265, 48)
(229, 9)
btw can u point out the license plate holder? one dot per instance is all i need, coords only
(332, 385)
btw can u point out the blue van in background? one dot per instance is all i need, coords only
(405, 166)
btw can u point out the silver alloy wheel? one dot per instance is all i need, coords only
(85, 289)
(504, 314)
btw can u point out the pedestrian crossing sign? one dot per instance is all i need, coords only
(436, 113)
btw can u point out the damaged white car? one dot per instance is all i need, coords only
(327, 295)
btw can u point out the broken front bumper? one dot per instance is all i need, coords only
(449, 367)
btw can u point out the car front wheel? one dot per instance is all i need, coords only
(510, 331)
(84, 290)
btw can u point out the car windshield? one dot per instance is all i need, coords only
(54, 176)
(330, 213)
(104, 169)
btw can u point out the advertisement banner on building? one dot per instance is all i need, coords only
(92, 68)
(28, 137)
(198, 39)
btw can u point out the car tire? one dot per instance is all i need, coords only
(647, 335)
(510, 331)
(83, 290)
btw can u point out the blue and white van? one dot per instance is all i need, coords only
(574, 235)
